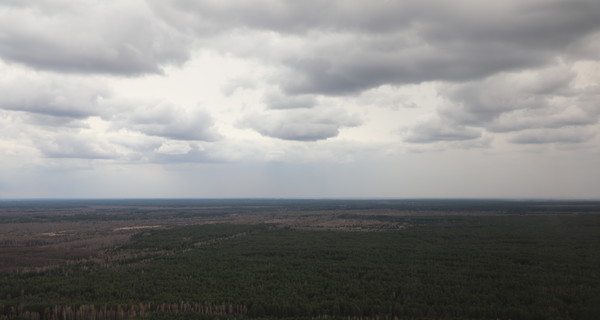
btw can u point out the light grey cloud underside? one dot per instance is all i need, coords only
(539, 106)
(165, 120)
(53, 96)
(300, 125)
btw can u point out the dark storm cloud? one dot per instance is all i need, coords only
(298, 124)
(350, 46)
(285, 16)
(347, 46)
(357, 64)
(88, 36)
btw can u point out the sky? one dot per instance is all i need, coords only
(300, 99)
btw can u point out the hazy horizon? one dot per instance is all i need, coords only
(315, 199)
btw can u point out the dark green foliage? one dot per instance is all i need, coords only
(189, 236)
(447, 267)
(140, 209)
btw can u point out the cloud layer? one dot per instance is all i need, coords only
(543, 100)
(242, 84)
(302, 125)
(114, 37)
(362, 46)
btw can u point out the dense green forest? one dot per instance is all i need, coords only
(53, 210)
(437, 267)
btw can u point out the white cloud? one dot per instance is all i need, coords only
(174, 147)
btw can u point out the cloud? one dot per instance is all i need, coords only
(299, 124)
(74, 117)
(42, 120)
(241, 82)
(65, 101)
(124, 146)
(81, 146)
(345, 47)
(168, 121)
(435, 130)
(282, 16)
(193, 153)
(563, 18)
(357, 64)
(551, 117)
(277, 100)
(335, 47)
(112, 37)
(587, 47)
(562, 135)
(52, 95)
(392, 97)
(297, 86)
(537, 100)
(484, 101)
(174, 148)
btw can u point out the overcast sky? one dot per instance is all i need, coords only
(302, 99)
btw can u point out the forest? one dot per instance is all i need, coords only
(326, 261)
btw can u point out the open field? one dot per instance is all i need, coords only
(226, 259)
